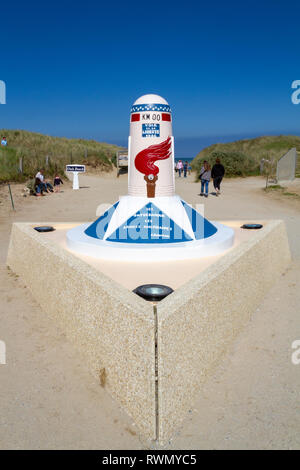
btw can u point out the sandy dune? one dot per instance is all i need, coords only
(49, 401)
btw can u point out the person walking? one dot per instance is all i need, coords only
(205, 176)
(185, 168)
(217, 174)
(179, 167)
(56, 183)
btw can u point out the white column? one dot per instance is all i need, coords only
(75, 180)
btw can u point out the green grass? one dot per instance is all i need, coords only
(281, 190)
(287, 193)
(34, 147)
(8, 165)
(242, 158)
(273, 187)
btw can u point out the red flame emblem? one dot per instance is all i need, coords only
(144, 161)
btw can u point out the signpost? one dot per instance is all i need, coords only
(122, 160)
(75, 169)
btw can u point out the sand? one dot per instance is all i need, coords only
(48, 400)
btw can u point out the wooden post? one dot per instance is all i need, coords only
(118, 169)
(11, 197)
(21, 164)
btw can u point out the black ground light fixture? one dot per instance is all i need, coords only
(44, 228)
(153, 292)
(252, 226)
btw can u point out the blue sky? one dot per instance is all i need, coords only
(226, 68)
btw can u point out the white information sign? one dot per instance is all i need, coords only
(75, 169)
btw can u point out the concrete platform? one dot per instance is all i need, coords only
(152, 359)
(79, 242)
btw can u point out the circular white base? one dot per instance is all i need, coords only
(79, 242)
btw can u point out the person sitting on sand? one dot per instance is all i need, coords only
(44, 182)
(205, 176)
(57, 182)
(217, 173)
(38, 187)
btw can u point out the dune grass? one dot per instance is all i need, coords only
(52, 153)
(242, 158)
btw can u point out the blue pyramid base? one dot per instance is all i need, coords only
(151, 225)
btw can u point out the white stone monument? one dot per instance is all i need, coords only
(151, 223)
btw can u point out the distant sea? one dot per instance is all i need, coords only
(184, 159)
(186, 148)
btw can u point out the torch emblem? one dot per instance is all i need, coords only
(144, 163)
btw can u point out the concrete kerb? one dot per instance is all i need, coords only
(155, 357)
